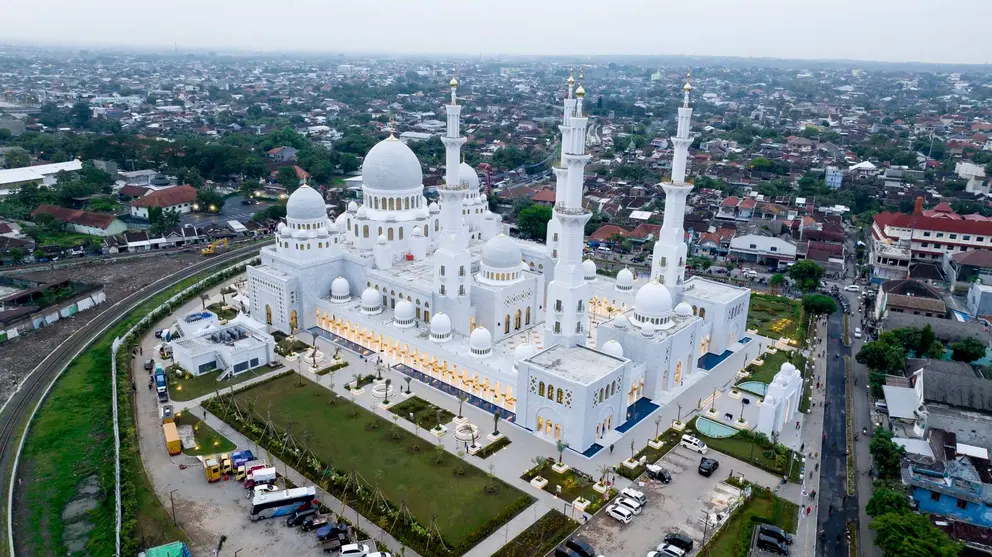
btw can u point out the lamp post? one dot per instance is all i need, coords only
(706, 526)
(172, 501)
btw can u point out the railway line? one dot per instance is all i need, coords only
(32, 390)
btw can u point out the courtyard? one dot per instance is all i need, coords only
(775, 316)
(439, 490)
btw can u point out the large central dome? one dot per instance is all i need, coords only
(391, 166)
(502, 252)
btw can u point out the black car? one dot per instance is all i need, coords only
(562, 551)
(580, 546)
(707, 466)
(775, 532)
(680, 541)
(299, 516)
(771, 544)
(658, 473)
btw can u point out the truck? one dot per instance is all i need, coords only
(246, 468)
(260, 476)
(225, 464)
(174, 549)
(161, 386)
(239, 458)
(172, 441)
(211, 469)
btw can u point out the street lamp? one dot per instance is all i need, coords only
(172, 501)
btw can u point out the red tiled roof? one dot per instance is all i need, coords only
(606, 231)
(133, 191)
(5, 228)
(169, 197)
(300, 173)
(76, 216)
(976, 258)
(748, 203)
(643, 230)
(709, 237)
(730, 202)
(923, 222)
(545, 195)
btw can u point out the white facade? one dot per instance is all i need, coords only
(235, 347)
(442, 295)
(781, 402)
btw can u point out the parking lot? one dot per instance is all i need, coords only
(680, 506)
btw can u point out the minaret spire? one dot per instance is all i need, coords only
(668, 260)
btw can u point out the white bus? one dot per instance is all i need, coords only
(281, 503)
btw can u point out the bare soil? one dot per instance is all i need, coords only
(20, 355)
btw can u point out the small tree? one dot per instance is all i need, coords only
(461, 399)
(439, 448)
(408, 379)
(561, 446)
(968, 350)
(776, 282)
(386, 399)
(496, 418)
(539, 463)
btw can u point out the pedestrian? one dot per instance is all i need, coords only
(611, 448)
(808, 510)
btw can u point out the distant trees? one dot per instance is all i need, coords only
(17, 159)
(776, 282)
(968, 350)
(161, 220)
(287, 178)
(210, 200)
(818, 304)
(533, 222)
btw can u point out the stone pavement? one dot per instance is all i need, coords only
(812, 438)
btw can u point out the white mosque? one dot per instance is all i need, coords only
(525, 329)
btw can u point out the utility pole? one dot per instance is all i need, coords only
(172, 501)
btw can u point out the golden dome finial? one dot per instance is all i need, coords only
(454, 80)
(571, 78)
(688, 82)
(581, 91)
(392, 127)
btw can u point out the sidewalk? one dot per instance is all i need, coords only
(812, 439)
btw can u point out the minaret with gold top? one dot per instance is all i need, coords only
(670, 250)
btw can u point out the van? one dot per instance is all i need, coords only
(881, 406)
(631, 493)
(604, 249)
(775, 533)
(770, 544)
(694, 444)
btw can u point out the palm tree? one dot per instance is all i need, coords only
(408, 379)
(357, 377)
(203, 300)
(561, 446)
(496, 417)
(386, 399)
(603, 470)
(461, 398)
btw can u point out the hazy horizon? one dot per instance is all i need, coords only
(876, 31)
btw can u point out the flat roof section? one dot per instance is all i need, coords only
(577, 364)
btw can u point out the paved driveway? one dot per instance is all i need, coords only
(677, 507)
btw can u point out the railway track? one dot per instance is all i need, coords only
(35, 385)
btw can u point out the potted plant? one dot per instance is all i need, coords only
(537, 481)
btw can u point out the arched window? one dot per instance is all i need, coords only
(540, 389)
(401, 233)
(379, 233)
(516, 319)
(540, 420)
(560, 396)
(506, 324)
(426, 230)
(375, 202)
(320, 245)
(527, 316)
(391, 204)
(702, 313)
(437, 224)
(365, 231)
(406, 203)
(551, 391)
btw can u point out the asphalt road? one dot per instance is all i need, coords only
(233, 210)
(833, 468)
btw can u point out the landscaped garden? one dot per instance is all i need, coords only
(494, 447)
(222, 311)
(755, 448)
(734, 539)
(185, 386)
(771, 365)
(775, 316)
(285, 345)
(424, 413)
(207, 440)
(424, 496)
(568, 485)
(540, 537)
(670, 439)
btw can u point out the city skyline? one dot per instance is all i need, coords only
(851, 30)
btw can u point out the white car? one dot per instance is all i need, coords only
(857, 332)
(621, 514)
(632, 493)
(355, 550)
(630, 504)
(380, 554)
(852, 288)
(668, 550)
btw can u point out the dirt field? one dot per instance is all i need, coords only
(19, 356)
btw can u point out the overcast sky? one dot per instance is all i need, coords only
(891, 30)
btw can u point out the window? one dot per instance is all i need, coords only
(940, 234)
(962, 504)
(557, 327)
(773, 248)
(980, 239)
(551, 391)
(557, 305)
(442, 290)
(555, 237)
(540, 389)
(664, 261)
(442, 270)
(925, 244)
(954, 236)
(754, 246)
(926, 234)
(561, 398)
(935, 496)
(966, 237)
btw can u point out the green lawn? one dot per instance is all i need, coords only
(670, 437)
(540, 537)
(424, 413)
(774, 316)
(406, 466)
(765, 373)
(572, 482)
(736, 534)
(67, 240)
(743, 447)
(182, 389)
(223, 312)
(208, 441)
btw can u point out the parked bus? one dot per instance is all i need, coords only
(282, 503)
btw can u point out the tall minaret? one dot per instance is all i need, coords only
(561, 174)
(452, 260)
(567, 321)
(668, 265)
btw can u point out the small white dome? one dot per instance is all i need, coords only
(300, 234)
(683, 310)
(613, 348)
(647, 329)
(390, 165)
(434, 207)
(501, 252)
(625, 277)
(424, 213)
(524, 351)
(281, 227)
(323, 232)
(352, 207)
(306, 203)
(404, 311)
(371, 298)
(440, 325)
(363, 213)
(468, 175)
(340, 288)
(481, 341)
(381, 240)
(589, 269)
(621, 322)
(286, 232)
(417, 232)
(653, 300)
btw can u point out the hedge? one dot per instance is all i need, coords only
(494, 447)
